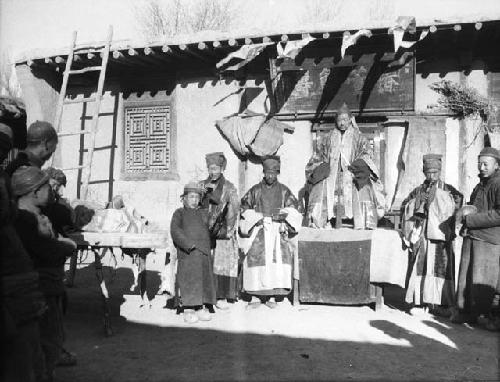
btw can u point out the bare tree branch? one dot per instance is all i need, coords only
(175, 17)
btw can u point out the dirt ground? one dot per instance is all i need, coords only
(306, 342)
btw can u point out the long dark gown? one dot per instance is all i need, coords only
(195, 280)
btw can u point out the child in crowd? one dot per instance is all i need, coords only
(191, 237)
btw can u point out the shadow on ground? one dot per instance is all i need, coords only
(141, 352)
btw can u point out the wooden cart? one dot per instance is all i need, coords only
(100, 242)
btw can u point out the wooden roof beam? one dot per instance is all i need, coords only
(161, 58)
(170, 52)
(125, 60)
(186, 49)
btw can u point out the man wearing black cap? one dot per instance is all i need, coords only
(427, 215)
(220, 197)
(478, 283)
(270, 219)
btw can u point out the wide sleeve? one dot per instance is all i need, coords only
(412, 195)
(45, 251)
(487, 219)
(289, 199)
(233, 209)
(248, 200)
(457, 196)
(177, 232)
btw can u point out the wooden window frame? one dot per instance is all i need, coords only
(172, 173)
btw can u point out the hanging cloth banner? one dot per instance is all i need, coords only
(406, 24)
(241, 57)
(291, 49)
(350, 40)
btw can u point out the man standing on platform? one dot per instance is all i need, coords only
(478, 283)
(270, 218)
(331, 196)
(428, 225)
(220, 197)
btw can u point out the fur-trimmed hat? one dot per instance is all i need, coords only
(271, 163)
(432, 162)
(216, 158)
(192, 186)
(490, 152)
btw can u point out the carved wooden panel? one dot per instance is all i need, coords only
(147, 139)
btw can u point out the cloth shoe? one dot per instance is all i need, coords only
(253, 305)
(271, 304)
(222, 305)
(440, 311)
(190, 317)
(203, 315)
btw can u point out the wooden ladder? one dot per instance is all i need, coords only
(104, 54)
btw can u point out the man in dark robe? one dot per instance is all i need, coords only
(428, 223)
(220, 197)
(48, 252)
(478, 282)
(191, 237)
(41, 144)
(22, 303)
(270, 218)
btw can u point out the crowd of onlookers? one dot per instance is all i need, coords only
(34, 251)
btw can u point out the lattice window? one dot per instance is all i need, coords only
(148, 145)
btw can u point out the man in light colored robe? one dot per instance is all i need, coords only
(428, 227)
(328, 171)
(270, 220)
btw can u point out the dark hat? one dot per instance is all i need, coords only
(216, 158)
(192, 186)
(490, 152)
(28, 178)
(271, 163)
(41, 131)
(432, 162)
(57, 175)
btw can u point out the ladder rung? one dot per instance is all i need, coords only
(74, 133)
(80, 100)
(85, 70)
(75, 168)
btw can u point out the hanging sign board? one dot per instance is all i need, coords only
(370, 82)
